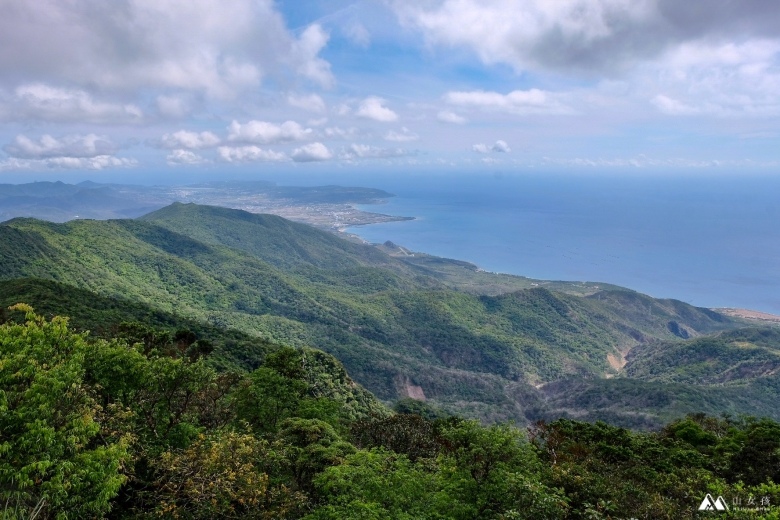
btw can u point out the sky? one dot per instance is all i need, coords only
(109, 90)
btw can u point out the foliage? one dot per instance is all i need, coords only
(53, 450)
(391, 322)
(92, 428)
(224, 475)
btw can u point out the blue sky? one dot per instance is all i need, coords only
(107, 90)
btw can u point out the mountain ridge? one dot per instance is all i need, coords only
(394, 325)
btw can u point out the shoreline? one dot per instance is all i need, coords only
(748, 314)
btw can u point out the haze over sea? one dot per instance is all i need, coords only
(709, 240)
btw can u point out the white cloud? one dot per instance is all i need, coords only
(642, 161)
(88, 152)
(573, 33)
(99, 162)
(311, 153)
(172, 106)
(583, 36)
(217, 48)
(312, 41)
(373, 108)
(363, 151)
(41, 101)
(311, 102)
(357, 33)
(405, 135)
(343, 109)
(721, 61)
(184, 157)
(716, 79)
(335, 132)
(74, 146)
(446, 116)
(500, 146)
(533, 101)
(263, 132)
(671, 106)
(190, 140)
(243, 154)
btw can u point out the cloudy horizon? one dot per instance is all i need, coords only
(450, 85)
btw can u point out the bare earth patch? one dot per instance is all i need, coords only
(415, 392)
(616, 362)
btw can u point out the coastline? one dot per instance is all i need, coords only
(748, 314)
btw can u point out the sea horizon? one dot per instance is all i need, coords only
(709, 242)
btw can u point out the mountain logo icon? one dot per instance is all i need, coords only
(710, 504)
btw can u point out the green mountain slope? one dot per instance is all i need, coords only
(397, 330)
(731, 357)
(280, 242)
(228, 349)
(735, 372)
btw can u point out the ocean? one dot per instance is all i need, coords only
(711, 240)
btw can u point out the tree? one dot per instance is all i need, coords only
(52, 450)
(224, 475)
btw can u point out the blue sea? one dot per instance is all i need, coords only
(712, 240)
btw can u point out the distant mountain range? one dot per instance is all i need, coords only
(61, 202)
(402, 326)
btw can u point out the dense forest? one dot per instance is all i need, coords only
(142, 424)
(490, 347)
(209, 363)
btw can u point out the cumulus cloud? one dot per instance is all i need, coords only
(311, 102)
(533, 101)
(88, 152)
(184, 157)
(244, 154)
(374, 108)
(263, 132)
(582, 35)
(312, 41)
(218, 48)
(446, 116)
(74, 146)
(405, 135)
(190, 140)
(500, 146)
(311, 153)
(41, 101)
(99, 162)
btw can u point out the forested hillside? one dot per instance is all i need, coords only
(118, 428)
(401, 328)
